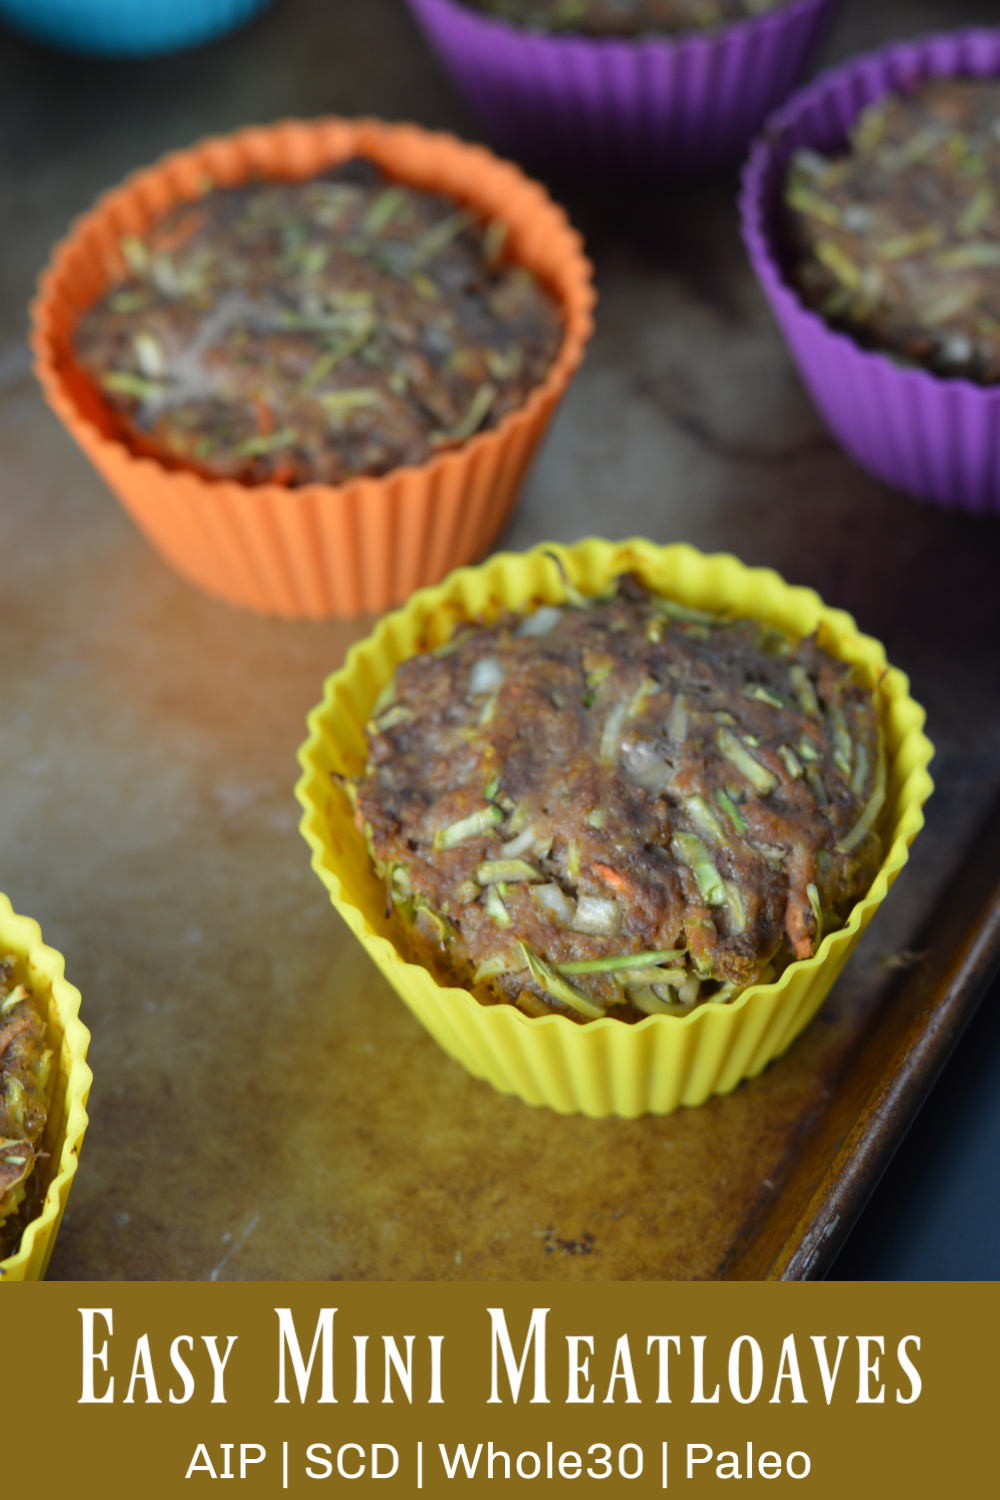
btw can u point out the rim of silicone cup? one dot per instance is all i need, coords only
(770, 20)
(313, 145)
(69, 1039)
(770, 152)
(589, 563)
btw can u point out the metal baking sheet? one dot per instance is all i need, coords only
(263, 1105)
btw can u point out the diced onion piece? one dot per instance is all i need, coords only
(552, 899)
(817, 910)
(773, 853)
(872, 807)
(689, 991)
(597, 915)
(648, 688)
(692, 852)
(644, 998)
(611, 734)
(541, 622)
(490, 968)
(625, 977)
(519, 845)
(560, 988)
(532, 1005)
(677, 726)
(737, 911)
(492, 870)
(738, 755)
(486, 676)
(484, 820)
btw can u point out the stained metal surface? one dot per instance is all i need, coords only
(263, 1105)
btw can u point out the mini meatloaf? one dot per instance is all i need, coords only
(25, 1063)
(621, 807)
(316, 331)
(624, 17)
(899, 239)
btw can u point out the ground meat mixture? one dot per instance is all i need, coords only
(24, 1072)
(623, 806)
(624, 17)
(899, 240)
(315, 331)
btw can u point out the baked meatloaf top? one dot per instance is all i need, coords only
(624, 17)
(623, 806)
(316, 331)
(24, 1071)
(898, 240)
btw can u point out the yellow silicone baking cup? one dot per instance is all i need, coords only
(41, 969)
(605, 1067)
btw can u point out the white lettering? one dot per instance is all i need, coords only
(142, 1369)
(698, 1395)
(377, 1473)
(218, 1365)
(435, 1398)
(909, 1369)
(319, 1453)
(692, 1448)
(194, 1467)
(394, 1361)
(866, 1371)
(182, 1369)
(92, 1356)
(788, 1369)
(664, 1340)
(515, 1372)
(756, 1369)
(460, 1454)
(829, 1378)
(622, 1370)
(288, 1339)
(578, 1368)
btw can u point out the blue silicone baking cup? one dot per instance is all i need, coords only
(126, 28)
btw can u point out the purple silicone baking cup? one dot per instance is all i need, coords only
(937, 439)
(611, 106)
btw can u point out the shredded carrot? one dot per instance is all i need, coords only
(264, 416)
(610, 877)
(173, 239)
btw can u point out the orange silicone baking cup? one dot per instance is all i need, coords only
(316, 550)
